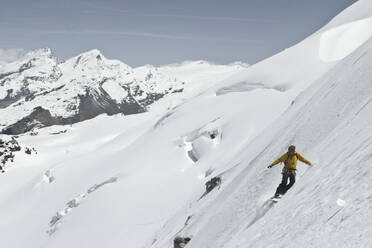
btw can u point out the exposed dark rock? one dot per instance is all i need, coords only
(10, 98)
(34, 133)
(188, 220)
(77, 61)
(30, 150)
(31, 97)
(26, 66)
(8, 150)
(63, 131)
(91, 104)
(211, 184)
(38, 117)
(94, 101)
(151, 98)
(180, 242)
(4, 75)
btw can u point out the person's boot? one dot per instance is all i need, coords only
(277, 195)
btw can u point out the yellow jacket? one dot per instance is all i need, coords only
(290, 162)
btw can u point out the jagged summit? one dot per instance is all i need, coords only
(38, 90)
(37, 53)
(89, 56)
(46, 51)
(29, 59)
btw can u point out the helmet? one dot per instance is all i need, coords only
(291, 148)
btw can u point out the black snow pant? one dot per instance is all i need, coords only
(283, 186)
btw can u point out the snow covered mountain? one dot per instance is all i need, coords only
(202, 73)
(140, 181)
(39, 90)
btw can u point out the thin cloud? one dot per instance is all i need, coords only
(89, 11)
(151, 35)
(210, 18)
(10, 55)
(193, 17)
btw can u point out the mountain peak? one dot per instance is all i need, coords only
(94, 53)
(42, 52)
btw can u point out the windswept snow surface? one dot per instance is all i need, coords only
(338, 42)
(297, 67)
(330, 205)
(147, 155)
(130, 181)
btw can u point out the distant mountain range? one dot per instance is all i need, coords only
(39, 90)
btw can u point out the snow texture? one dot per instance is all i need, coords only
(130, 181)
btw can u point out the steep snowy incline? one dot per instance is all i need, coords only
(329, 206)
(333, 199)
(143, 163)
(297, 67)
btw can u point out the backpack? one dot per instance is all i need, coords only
(285, 161)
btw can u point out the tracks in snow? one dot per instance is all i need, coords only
(57, 219)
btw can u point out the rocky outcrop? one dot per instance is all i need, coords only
(211, 184)
(89, 107)
(180, 242)
(8, 150)
(38, 118)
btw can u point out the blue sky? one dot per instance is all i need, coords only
(164, 31)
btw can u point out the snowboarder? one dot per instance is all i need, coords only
(289, 171)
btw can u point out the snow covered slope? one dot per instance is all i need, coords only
(197, 75)
(202, 73)
(139, 181)
(330, 205)
(297, 67)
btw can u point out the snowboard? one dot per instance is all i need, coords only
(276, 198)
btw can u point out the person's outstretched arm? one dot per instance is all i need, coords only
(279, 160)
(302, 159)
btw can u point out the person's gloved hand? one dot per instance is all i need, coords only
(270, 166)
